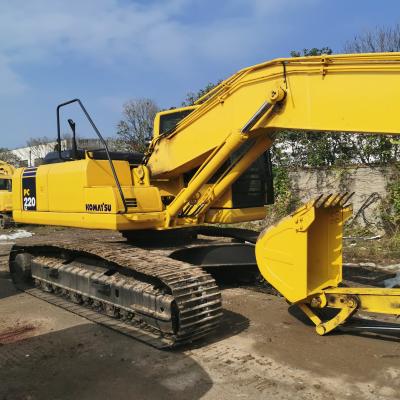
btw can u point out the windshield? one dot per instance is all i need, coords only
(170, 121)
(5, 184)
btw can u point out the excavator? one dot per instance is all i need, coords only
(207, 166)
(6, 172)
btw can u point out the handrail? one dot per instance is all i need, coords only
(101, 139)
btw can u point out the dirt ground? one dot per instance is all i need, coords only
(262, 350)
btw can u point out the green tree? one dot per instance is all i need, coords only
(319, 149)
(311, 52)
(192, 97)
(294, 148)
(375, 149)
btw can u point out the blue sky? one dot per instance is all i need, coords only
(109, 51)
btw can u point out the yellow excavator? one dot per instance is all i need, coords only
(207, 165)
(6, 172)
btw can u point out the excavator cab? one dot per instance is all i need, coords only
(166, 121)
(5, 184)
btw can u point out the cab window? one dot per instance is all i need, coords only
(168, 122)
(5, 184)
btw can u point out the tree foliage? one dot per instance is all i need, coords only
(192, 97)
(315, 51)
(136, 127)
(322, 149)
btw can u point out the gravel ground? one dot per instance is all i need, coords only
(261, 350)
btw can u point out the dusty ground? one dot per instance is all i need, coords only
(261, 351)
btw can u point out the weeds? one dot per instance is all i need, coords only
(385, 250)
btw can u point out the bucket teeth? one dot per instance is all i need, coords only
(336, 200)
(346, 201)
(313, 261)
(332, 200)
(317, 201)
(343, 198)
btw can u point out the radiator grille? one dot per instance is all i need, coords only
(132, 202)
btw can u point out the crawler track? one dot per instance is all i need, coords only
(141, 293)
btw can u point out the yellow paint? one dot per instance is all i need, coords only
(233, 215)
(6, 172)
(302, 258)
(356, 93)
(302, 254)
(83, 193)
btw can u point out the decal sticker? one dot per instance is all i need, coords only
(102, 207)
(29, 189)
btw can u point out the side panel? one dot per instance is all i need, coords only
(65, 183)
(83, 193)
(5, 201)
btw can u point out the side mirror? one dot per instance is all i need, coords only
(72, 126)
(74, 145)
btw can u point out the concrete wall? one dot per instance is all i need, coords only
(368, 184)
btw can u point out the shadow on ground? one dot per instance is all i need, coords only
(357, 326)
(366, 275)
(7, 287)
(231, 325)
(88, 362)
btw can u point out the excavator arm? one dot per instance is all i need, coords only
(343, 93)
(302, 255)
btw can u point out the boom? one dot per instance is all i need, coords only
(344, 93)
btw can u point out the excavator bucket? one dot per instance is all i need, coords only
(302, 254)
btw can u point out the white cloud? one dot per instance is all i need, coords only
(116, 31)
(265, 8)
(10, 83)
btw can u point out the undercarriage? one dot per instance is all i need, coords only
(162, 296)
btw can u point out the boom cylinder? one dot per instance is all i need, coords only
(232, 143)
